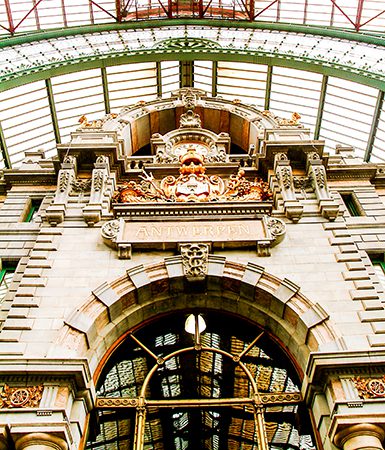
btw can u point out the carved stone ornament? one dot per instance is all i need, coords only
(110, 230)
(63, 181)
(284, 175)
(189, 99)
(21, 397)
(277, 229)
(190, 120)
(318, 175)
(98, 179)
(193, 185)
(79, 185)
(370, 387)
(195, 260)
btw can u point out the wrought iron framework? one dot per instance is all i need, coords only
(358, 15)
(148, 407)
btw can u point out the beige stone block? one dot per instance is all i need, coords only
(372, 316)
(371, 305)
(354, 265)
(363, 284)
(377, 340)
(10, 336)
(364, 294)
(12, 348)
(378, 327)
(341, 240)
(18, 324)
(348, 257)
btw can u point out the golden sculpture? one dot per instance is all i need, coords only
(193, 185)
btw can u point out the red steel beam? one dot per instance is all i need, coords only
(360, 7)
(265, 9)
(103, 9)
(34, 8)
(9, 15)
(343, 13)
(375, 17)
(91, 10)
(118, 7)
(63, 11)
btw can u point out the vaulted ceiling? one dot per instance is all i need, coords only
(60, 60)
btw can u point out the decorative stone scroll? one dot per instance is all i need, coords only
(125, 235)
(195, 260)
(370, 387)
(20, 397)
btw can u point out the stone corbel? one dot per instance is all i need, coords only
(195, 260)
(293, 208)
(56, 212)
(92, 213)
(317, 173)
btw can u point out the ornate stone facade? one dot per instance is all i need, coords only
(261, 233)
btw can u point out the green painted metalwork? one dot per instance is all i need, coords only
(281, 60)
(158, 79)
(369, 38)
(106, 94)
(373, 129)
(4, 150)
(317, 128)
(269, 77)
(52, 108)
(214, 79)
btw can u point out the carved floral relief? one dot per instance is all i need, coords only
(370, 387)
(20, 397)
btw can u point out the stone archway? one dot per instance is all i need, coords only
(113, 309)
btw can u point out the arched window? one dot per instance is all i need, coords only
(229, 386)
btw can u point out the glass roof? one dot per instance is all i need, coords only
(334, 79)
(30, 15)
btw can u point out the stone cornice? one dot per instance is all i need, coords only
(76, 369)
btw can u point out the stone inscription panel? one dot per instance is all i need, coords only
(197, 231)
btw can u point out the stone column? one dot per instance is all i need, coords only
(56, 212)
(92, 213)
(317, 173)
(40, 441)
(360, 437)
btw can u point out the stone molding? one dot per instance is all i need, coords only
(360, 436)
(148, 290)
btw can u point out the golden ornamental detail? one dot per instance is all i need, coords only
(193, 185)
(20, 397)
(370, 387)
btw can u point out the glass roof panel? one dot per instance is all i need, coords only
(77, 94)
(170, 76)
(25, 118)
(378, 153)
(295, 91)
(348, 121)
(131, 83)
(203, 73)
(243, 81)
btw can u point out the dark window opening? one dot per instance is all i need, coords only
(6, 275)
(33, 211)
(351, 204)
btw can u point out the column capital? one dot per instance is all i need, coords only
(40, 441)
(360, 436)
